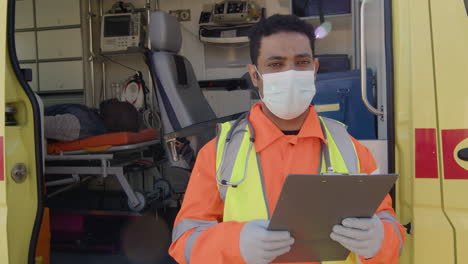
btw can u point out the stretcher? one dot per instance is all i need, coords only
(99, 156)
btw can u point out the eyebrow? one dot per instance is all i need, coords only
(276, 58)
(304, 55)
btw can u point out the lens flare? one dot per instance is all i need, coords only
(323, 30)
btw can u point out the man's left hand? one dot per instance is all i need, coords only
(362, 236)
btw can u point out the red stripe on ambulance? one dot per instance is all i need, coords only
(426, 153)
(450, 139)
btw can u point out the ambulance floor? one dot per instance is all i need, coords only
(75, 258)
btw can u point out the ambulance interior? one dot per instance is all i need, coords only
(184, 69)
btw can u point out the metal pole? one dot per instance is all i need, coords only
(364, 64)
(91, 51)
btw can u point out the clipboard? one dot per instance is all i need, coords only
(310, 205)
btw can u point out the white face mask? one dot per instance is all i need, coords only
(288, 94)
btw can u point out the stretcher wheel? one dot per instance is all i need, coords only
(164, 188)
(141, 198)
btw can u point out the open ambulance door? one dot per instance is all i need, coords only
(449, 24)
(430, 68)
(21, 165)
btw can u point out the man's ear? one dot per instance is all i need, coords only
(253, 74)
(317, 66)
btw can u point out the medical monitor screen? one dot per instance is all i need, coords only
(117, 26)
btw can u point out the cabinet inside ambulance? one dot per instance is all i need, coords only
(113, 197)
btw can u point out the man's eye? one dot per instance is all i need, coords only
(303, 62)
(274, 65)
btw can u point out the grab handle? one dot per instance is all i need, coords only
(364, 64)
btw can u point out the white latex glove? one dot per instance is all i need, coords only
(260, 246)
(362, 236)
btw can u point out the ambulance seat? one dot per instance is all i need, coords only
(180, 100)
(179, 96)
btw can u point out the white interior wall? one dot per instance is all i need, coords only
(339, 40)
(56, 13)
(58, 44)
(25, 45)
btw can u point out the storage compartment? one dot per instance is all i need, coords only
(52, 13)
(59, 76)
(339, 97)
(24, 17)
(26, 45)
(57, 44)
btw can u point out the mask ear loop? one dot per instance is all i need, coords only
(258, 73)
(261, 77)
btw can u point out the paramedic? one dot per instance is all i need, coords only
(219, 223)
(67, 122)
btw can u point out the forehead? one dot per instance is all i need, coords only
(284, 44)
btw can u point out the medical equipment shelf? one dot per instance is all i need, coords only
(47, 28)
(52, 60)
(136, 52)
(96, 53)
(61, 92)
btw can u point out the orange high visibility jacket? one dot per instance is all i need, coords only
(210, 240)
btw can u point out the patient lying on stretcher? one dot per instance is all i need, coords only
(68, 122)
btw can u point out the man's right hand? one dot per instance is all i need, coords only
(260, 246)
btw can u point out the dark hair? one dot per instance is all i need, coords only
(119, 116)
(276, 24)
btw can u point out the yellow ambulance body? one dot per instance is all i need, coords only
(430, 91)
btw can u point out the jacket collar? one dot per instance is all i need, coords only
(266, 132)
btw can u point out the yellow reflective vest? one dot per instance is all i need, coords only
(238, 162)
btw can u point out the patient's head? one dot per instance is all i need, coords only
(119, 116)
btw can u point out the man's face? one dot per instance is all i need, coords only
(280, 52)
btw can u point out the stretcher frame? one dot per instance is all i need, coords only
(136, 200)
